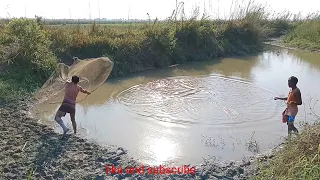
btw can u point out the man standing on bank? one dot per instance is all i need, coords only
(293, 100)
(69, 104)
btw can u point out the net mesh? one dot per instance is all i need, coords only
(92, 72)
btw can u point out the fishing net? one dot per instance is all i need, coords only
(92, 72)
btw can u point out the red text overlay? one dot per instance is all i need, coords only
(111, 169)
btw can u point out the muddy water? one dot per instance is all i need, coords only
(222, 109)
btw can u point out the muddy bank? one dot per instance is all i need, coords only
(28, 148)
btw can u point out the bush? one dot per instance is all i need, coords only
(197, 41)
(31, 47)
(25, 53)
(305, 35)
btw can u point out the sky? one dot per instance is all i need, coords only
(137, 9)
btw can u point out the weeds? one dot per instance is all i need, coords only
(1, 174)
(252, 145)
(305, 35)
(31, 174)
(299, 159)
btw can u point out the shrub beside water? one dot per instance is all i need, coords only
(156, 45)
(25, 57)
(305, 35)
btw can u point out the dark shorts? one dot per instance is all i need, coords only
(68, 106)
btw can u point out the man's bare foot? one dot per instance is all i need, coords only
(65, 132)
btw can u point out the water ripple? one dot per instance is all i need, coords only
(205, 100)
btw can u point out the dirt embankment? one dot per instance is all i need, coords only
(30, 149)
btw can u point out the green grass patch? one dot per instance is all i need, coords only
(25, 57)
(16, 85)
(305, 35)
(299, 159)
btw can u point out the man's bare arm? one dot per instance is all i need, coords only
(84, 91)
(278, 98)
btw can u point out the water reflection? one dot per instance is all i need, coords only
(185, 113)
(162, 149)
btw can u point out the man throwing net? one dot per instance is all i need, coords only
(94, 72)
(68, 105)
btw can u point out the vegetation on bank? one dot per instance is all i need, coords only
(25, 57)
(305, 35)
(29, 50)
(299, 159)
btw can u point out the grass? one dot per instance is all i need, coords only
(300, 156)
(12, 88)
(31, 174)
(25, 57)
(299, 159)
(305, 35)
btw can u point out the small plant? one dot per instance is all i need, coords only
(252, 145)
(1, 174)
(31, 174)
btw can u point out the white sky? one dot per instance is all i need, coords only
(116, 9)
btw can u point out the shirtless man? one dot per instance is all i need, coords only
(69, 104)
(293, 101)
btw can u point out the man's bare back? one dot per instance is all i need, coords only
(72, 91)
(68, 105)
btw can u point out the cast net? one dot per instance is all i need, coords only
(92, 72)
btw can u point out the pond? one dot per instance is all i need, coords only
(221, 108)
